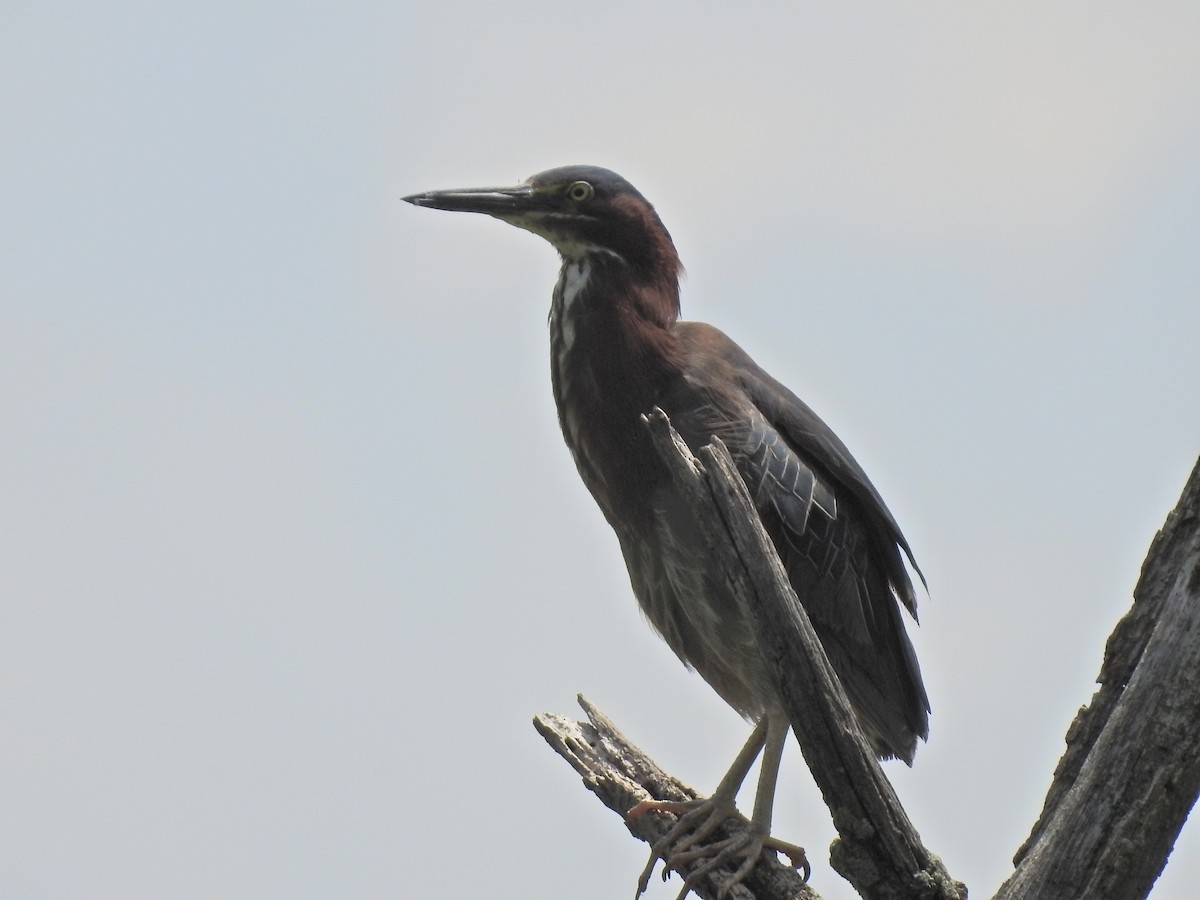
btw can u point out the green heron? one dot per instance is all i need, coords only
(618, 349)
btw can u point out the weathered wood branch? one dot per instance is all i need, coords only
(621, 775)
(878, 850)
(1131, 771)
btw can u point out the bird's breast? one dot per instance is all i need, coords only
(572, 281)
(568, 372)
(601, 389)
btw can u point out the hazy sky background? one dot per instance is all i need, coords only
(292, 551)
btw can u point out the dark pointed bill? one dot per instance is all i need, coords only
(494, 200)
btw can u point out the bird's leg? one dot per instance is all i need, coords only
(728, 787)
(686, 840)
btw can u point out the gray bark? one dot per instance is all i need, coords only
(620, 774)
(1131, 772)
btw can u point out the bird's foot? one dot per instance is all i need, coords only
(688, 842)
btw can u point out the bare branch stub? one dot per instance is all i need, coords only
(879, 851)
(620, 774)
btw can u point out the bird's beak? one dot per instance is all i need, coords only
(501, 202)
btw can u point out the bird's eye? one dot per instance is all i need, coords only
(580, 191)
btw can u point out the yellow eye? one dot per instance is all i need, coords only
(580, 191)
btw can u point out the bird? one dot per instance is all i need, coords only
(618, 349)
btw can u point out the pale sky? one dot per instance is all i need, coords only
(292, 550)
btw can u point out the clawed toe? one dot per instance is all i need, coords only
(697, 820)
(794, 852)
(687, 842)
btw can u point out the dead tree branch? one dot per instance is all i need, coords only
(878, 850)
(1131, 770)
(622, 775)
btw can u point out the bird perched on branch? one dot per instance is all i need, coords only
(618, 349)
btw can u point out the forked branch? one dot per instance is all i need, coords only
(1121, 792)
